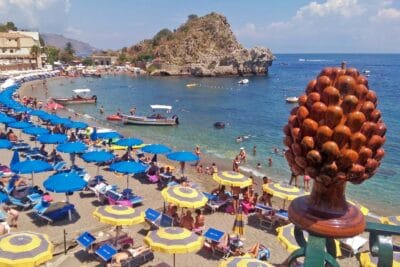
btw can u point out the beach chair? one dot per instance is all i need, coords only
(106, 252)
(54, 211)
(19, 203)
(214, 203)
(218, 242)
(266, 216)
(139, 260)
(20, 146)
(59, 166)
(129, 199)
(86, 240)
(151, 216)
(353, 245)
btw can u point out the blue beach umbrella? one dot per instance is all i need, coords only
(52, 138)
(93, 135)
(72, 147)
(98, 157)
(64, 183)
(108, 135)
(4, 143)
(38, 112)
(129, 142)
(6, 119)
(156, 149)
(20, 125)
(31, 166)
(15, 158)
(182, 157)
(76, 125)
(36, 130)
(46, 116)
(127, 167)
(60, 120)
(3, 197)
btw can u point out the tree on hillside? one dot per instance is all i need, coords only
(87, 61)
(163, 34)
(52, 54)
(9, 26)
(68, 54)
(192, 16)
(122, 59)
(41, 41)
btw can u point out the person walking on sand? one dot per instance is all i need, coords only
(197, 151)
(293, 178)
(235, 164)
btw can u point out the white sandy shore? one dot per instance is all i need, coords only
(86, 203)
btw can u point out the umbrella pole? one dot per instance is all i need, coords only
(127, 181)
(116, 234)
(98, 169)
(32, 178)
(69, 210)
(174, 261)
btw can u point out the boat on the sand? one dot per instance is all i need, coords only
(156, 118)
(81, 96)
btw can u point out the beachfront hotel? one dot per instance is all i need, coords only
(15, 50)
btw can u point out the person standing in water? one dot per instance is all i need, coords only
(101, 110)
(197, 151)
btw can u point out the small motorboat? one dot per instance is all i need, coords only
(292, 99)
(80, 97)
(190, 85)
(155, 119)
(244, 81)
(114, 117)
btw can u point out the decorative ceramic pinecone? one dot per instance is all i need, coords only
(336, 133)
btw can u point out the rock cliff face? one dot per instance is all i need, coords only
(203, 46)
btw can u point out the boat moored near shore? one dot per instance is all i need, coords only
(80, 97)
(155, 119)
(292, 99)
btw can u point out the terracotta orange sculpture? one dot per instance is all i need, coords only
(335, 136)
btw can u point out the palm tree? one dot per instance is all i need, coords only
(35, 51)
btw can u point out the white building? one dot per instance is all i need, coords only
(15, 50)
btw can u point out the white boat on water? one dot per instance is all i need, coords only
(155, 119)
(81, 96)
(292, 99)
(244, 81)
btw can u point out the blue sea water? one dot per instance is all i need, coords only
(257, 110)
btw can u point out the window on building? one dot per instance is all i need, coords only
(11, 50)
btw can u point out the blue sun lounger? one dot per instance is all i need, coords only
(106, 252)
(54, 211)
(86, 240)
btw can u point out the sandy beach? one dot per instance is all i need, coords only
(86, 202)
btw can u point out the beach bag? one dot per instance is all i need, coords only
(229, 209)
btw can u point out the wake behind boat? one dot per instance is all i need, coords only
(80, 97)
(155, 119)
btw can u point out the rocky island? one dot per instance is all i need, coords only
(202, 46)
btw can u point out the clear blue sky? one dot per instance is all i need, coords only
(285, 26)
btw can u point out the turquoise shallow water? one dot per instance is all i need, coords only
(257, 110)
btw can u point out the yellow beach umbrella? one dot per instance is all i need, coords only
(25, 249)
(287, 239)
(367, 260)
(393, 220)
(184, 196)
(174, 240)
(284, 191)
(243, 261)
(231, 178)
(364, 210)
(118, 215)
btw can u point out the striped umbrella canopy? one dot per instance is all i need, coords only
(184, 196)
(118, 215)
(238, 224)
(287, 239)
(25, 249)
(243, 261)
(231, 178)
(284, 191)
(367, 260)
(174, 240)
(393, 220)
(364, 210)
